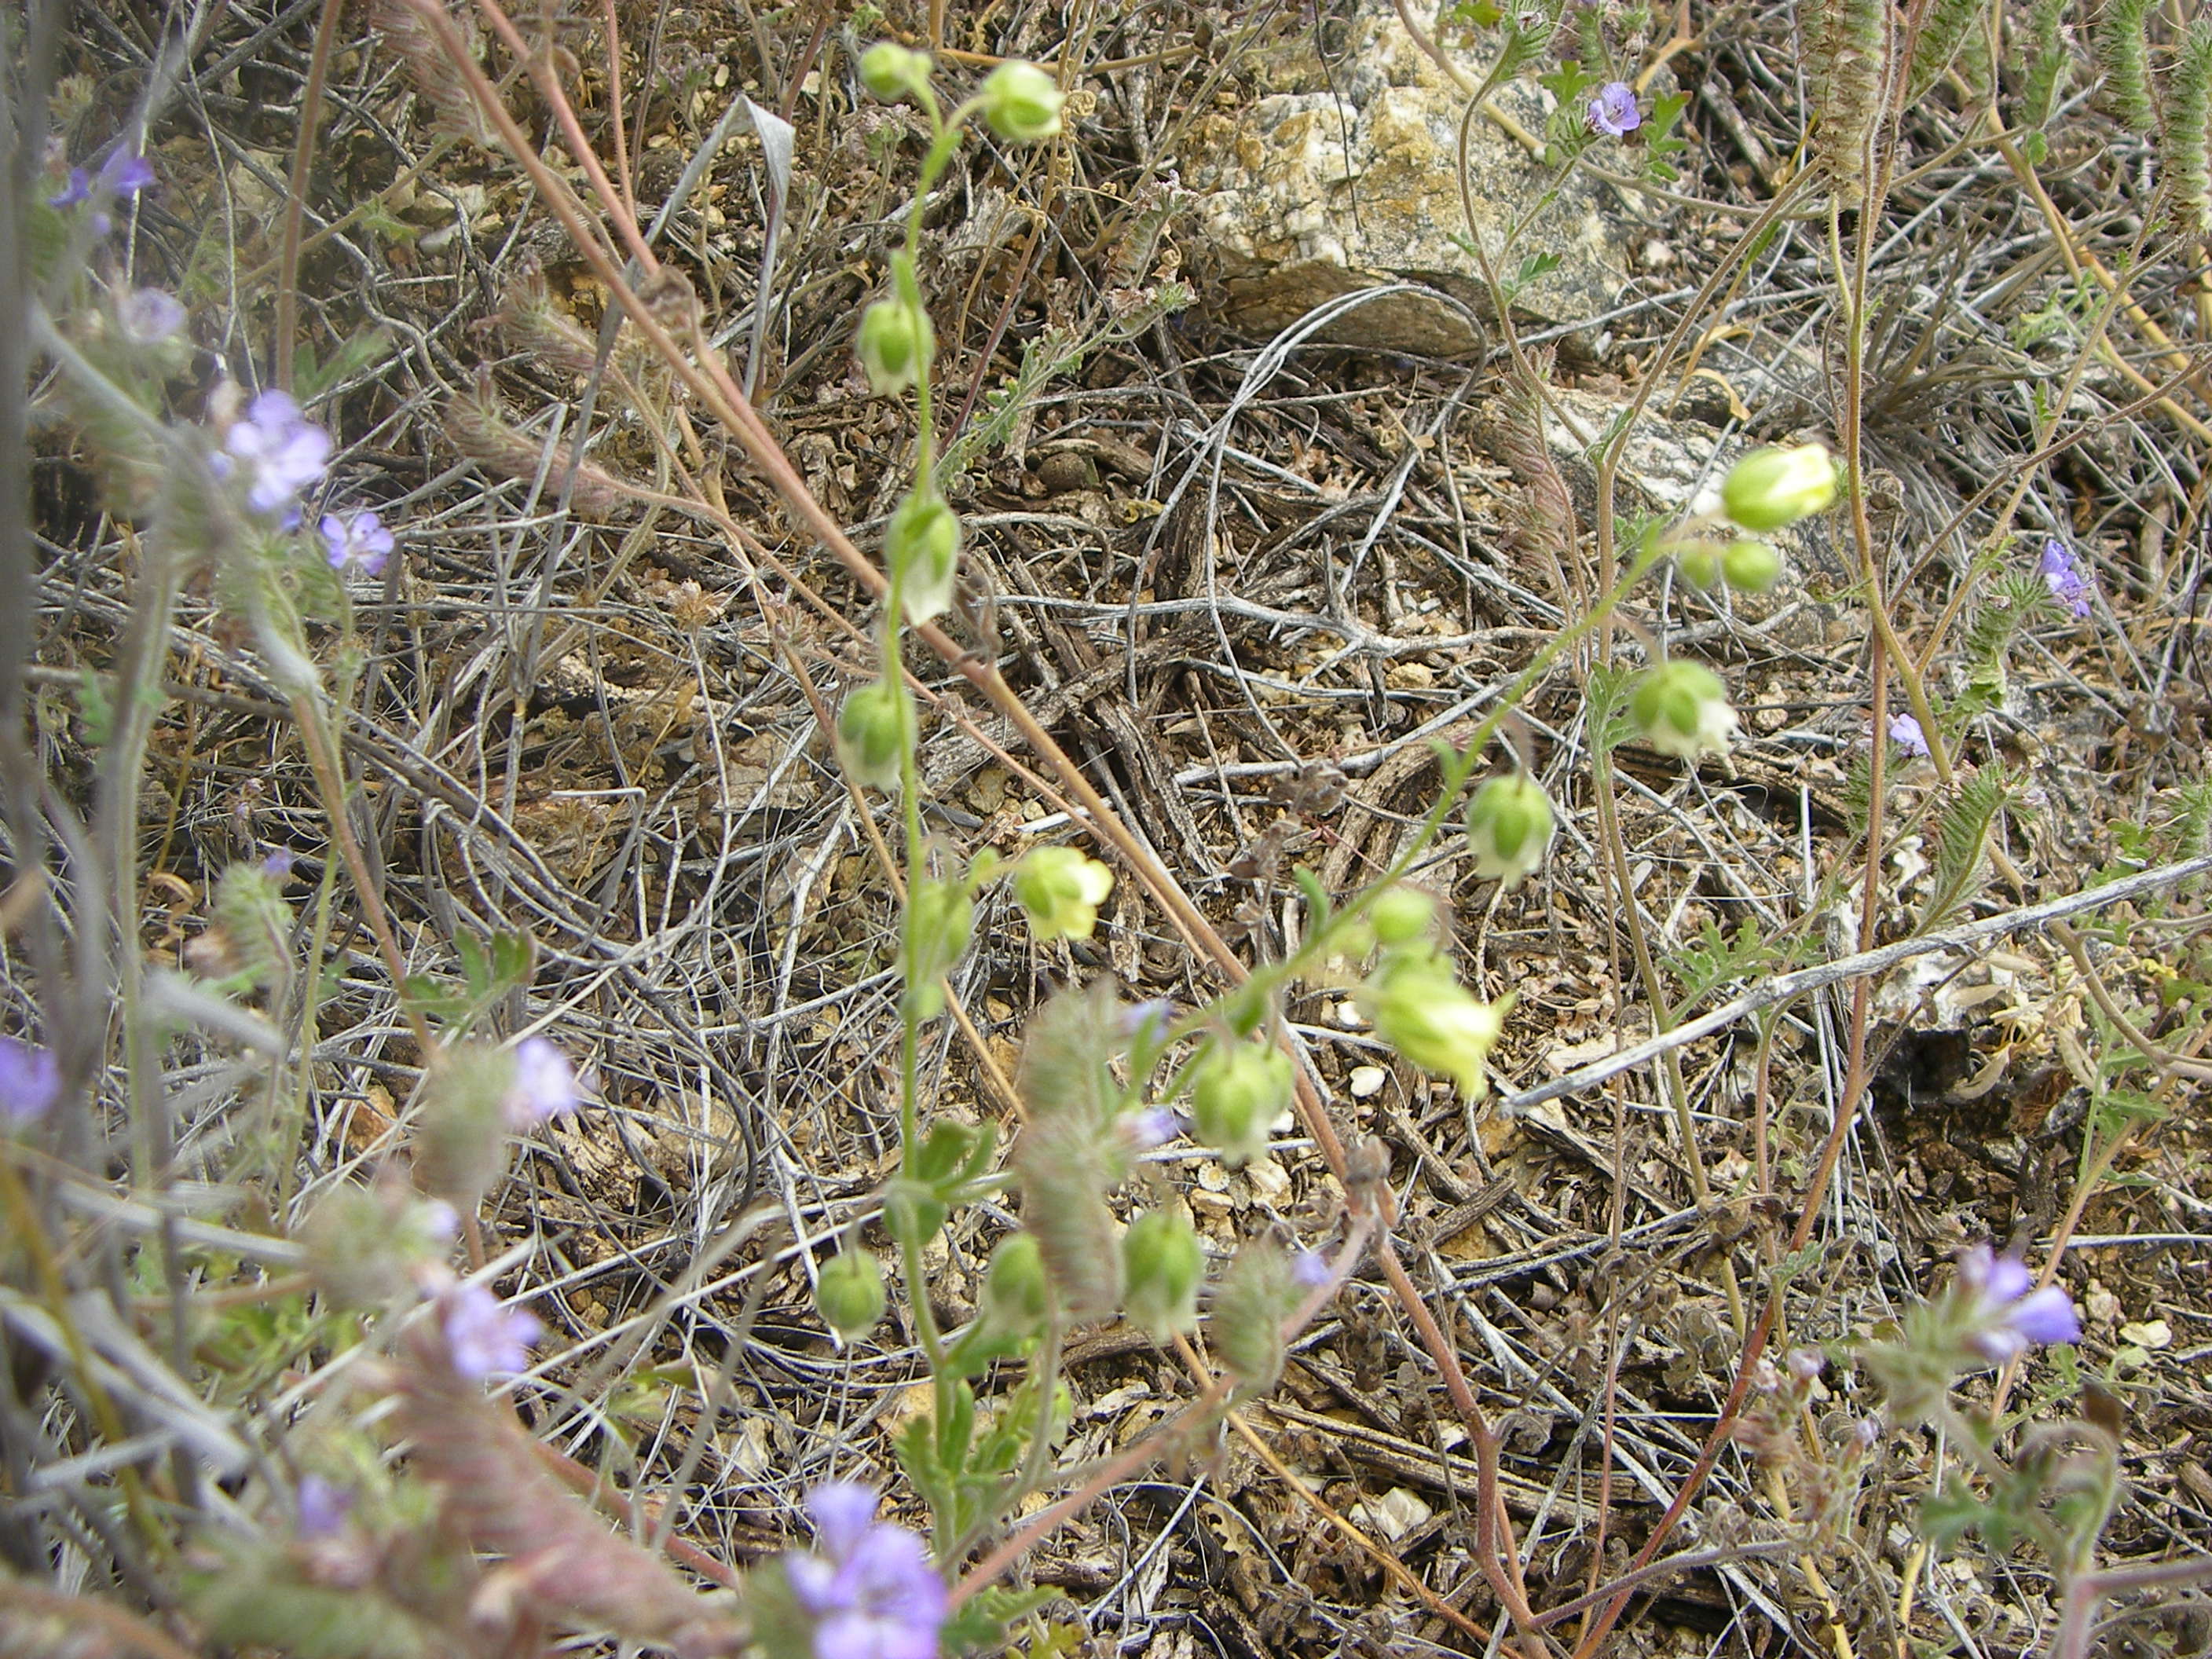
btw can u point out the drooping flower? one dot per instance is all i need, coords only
(2062, 574)
(871, 1591)
(544, 1086)
(1061, 889)
(1904, 731)
(359, 539)
(1420, 1009)
(282, 452)
(1772, 487)
(147, 316)
(2005, 1316)
(1682, 710)
(485, 1336)
(1614, 111)
(30, 1081)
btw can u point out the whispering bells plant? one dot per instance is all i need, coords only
(480, 1537)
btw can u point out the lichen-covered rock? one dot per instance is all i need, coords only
(1349, 180)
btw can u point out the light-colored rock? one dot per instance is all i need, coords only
(1320, 190)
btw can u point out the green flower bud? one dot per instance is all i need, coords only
(1162, 1265)
(1681, 708)
(1066, 1165)
(1751, 567)
(848, 1293)
(1017, 1294)
(1022, 103)
(1400, 914)
(1509, 827)
(364, 1245)
(1239, 1092)
(461, 1136)
(895, 346)
(1061, 890)
(940, 920)
(890, 71)
(1771, 488)
(874, 729)
(922, 548)
(1699, 563)
(1420, 1009)
(1245, 1327)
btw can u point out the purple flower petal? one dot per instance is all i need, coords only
(2047, 1315)
(323, 1507)
(1309, 1269)
(484, 1337)
(843, 1511)
(1154, 1126)
(544, 1085)
(76, 190)
(30, 1081)
(2062, 574)
(1904, 731)
(1614, 111)
(360, 541)
(126, 172)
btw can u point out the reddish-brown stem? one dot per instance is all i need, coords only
(296, 205)
(705, 377)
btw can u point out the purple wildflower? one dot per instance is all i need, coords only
(1153, 1126)
(126, 172)
(283, 453)
(1614, 111)
(544, 1085)
(277, 866)
(484, 1337)
(323, 1507)
(2062, 574)
(2006, 1316)
(30, 1081)
(1309, 1269)
(1145, 1024)
(122, 176)
(871, 1592)
(1904, 731)
(359, 539)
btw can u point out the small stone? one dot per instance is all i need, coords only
(1366, 1081)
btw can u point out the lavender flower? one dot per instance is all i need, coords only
(1904, 731)
(871, 1592)
(122, 176)
(323, 1507)
(1614, 111)
(147, 316)
(544, 1086)
(2062, 574)
(30, 1081)
(1145, 1024)
(484, 1337)
(359, 539)
(282, 451)
(1150, 1127)
(2007, 1318)
(1309, 1269)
